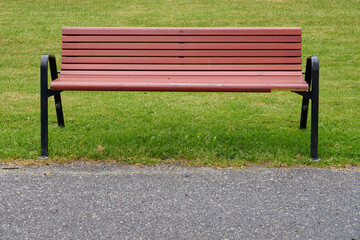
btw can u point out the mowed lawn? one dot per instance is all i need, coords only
(216, 129)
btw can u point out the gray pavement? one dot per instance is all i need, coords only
(106, 201)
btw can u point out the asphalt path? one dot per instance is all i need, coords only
(107, 201)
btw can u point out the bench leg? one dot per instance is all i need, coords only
(44, 107)
(59, 111)
(44, 128)
(312, 79)
(314, 108)
(304, 112)
(45, 93)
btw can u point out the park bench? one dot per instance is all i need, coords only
(182, 60)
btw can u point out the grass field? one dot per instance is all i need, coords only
(216, 129)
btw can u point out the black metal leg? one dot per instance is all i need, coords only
(304, 112)
(44, 107)
(312, 78)
(314, 108)
(314, 128)
(59, 111)
(44, 127)
(45, 93)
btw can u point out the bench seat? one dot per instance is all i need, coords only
(188, 81)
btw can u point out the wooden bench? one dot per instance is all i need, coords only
(181, 59)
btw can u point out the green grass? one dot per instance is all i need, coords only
(216, 129)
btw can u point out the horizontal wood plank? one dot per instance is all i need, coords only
(181, 46)
(182, 53)
(118, 60)
(66, 73)
(150, 67)
(193, 39)
(179, 83)
(185, 79)
(178, 31)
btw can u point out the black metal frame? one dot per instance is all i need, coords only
(312, 79)
(45, 93)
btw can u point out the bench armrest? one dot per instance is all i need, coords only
(312, 72)
(45, 60)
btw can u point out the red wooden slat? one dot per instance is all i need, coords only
(66, 73)
(182, 53)
(196, 83)
(185, 79)
(215, 39)
(117, 60)
(180, 67)
(189, 46)
(179, 31)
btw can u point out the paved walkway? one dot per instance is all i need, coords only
(105, 201)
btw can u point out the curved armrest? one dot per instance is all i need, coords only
(312, 72)
(45, 60)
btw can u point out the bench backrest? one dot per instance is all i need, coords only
(179, 49)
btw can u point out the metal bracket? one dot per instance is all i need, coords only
(307, 95)
(51, 93)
